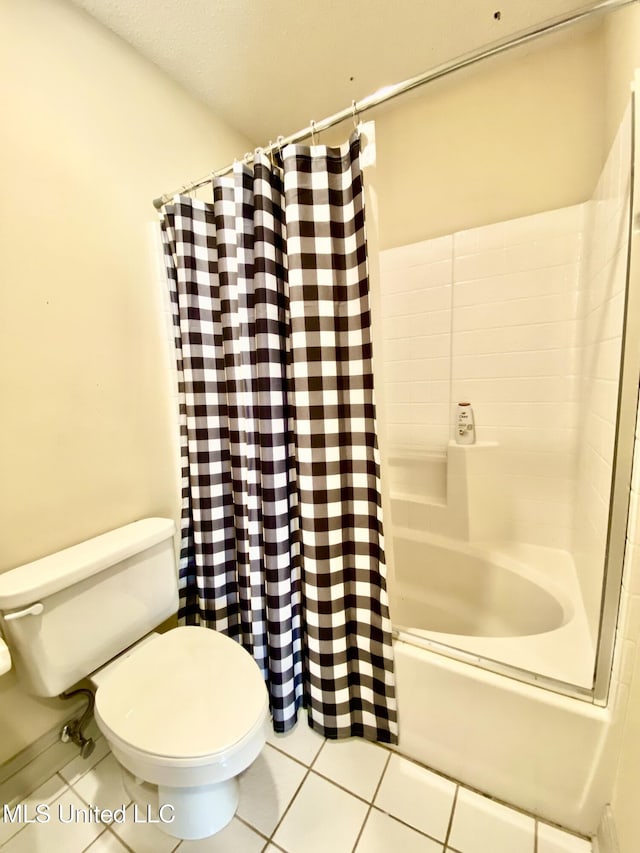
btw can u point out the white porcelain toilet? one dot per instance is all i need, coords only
(184, 712)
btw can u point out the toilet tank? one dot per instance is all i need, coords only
(67, 614)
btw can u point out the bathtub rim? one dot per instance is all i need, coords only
(498, 668)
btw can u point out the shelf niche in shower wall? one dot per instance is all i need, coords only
(474, 506)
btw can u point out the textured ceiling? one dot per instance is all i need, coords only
(267, 67)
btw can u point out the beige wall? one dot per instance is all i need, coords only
(90, 134)
(514, 135)
(622, 53)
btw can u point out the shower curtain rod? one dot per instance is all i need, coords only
(387, 93)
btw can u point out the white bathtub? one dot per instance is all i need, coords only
(515, 604)
(527, 745)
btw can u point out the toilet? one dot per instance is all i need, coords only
(184, 712)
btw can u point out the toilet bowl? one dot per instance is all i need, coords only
(186, 712)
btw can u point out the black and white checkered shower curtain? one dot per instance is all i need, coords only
(282, 542)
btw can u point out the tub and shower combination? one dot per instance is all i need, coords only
(504, 640)
(485, 638)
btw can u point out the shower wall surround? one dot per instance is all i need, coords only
(523, 319)
(489, 315)
(416, 283)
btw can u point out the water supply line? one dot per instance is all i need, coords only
(72, 731)
(387, 93)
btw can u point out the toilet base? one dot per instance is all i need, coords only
(185, 813)
(198, 812)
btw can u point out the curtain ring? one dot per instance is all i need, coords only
(269, 150)
(354, 112)
(312, 124)
(276, 146)
(273, 147)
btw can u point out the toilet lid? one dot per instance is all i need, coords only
(189, 693)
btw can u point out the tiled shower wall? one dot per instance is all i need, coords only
(513, 356)
(489, 316)
(416, 284)
(523, 320)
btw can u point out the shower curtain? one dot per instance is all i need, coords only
(282, 541)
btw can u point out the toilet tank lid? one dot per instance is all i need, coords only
(48, 575)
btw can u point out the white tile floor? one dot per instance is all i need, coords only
(302, 795)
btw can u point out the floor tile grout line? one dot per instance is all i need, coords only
(296, 792)
(91, 805)
(464, 786)
(277, 847)
(338, 785)
(62, 779)
(293, 757)
(343, 788)
(243, 820)
(384, 770)
(100, 834)
(370, 802)
(88, 770)
(133, 849)
(20, 798)
(439, 773)
(331, 781)
(11, 837)
(451, 815)
(408, 825)
(361, 830)
(558, 826)
(289, 804)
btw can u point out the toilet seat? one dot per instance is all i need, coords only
(187, 698)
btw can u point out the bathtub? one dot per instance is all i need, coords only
(475, 627)
(513, 604)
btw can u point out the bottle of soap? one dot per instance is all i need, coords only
(465, 426)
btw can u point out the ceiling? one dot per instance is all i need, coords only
(267, 67)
